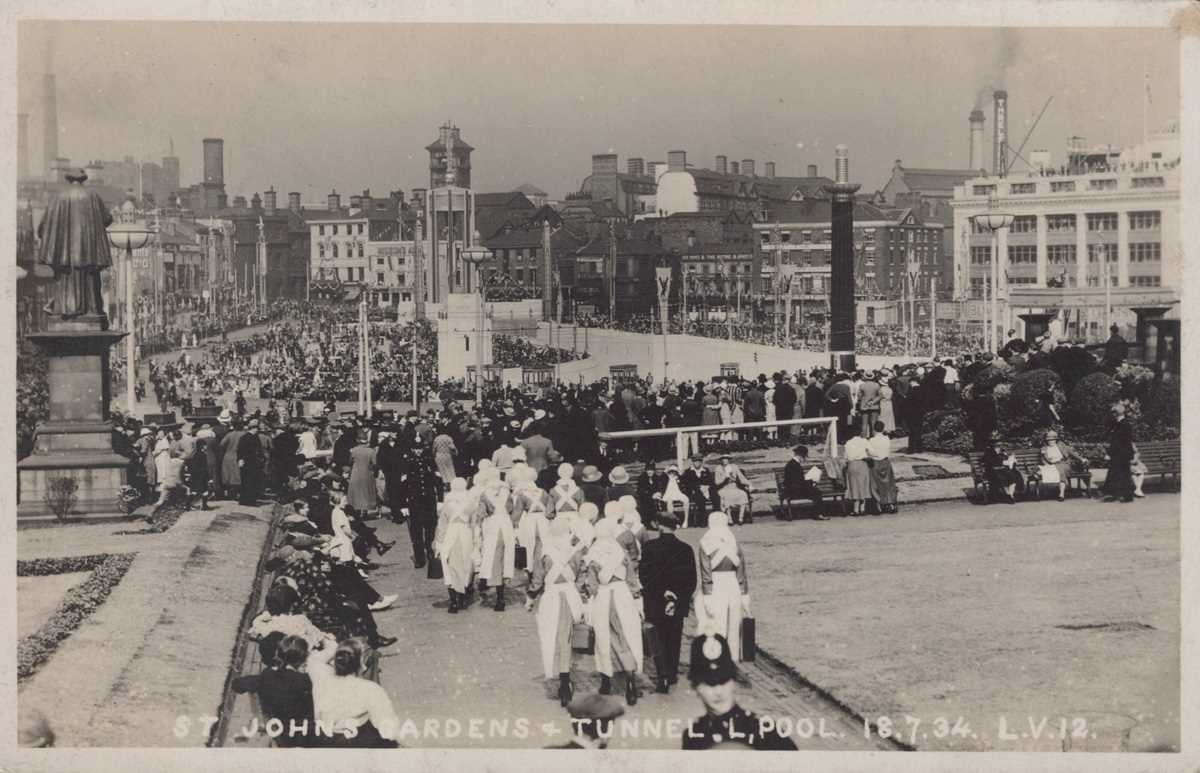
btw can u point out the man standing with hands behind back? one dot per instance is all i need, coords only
(668, 575)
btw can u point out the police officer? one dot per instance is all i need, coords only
(712, 673)
(591, 717)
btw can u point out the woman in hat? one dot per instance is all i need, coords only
(1058, 456)
(454, 542)
(1001, 471)
(724, 591)
(145, 451)
(672, 495)
(712, 411)
(733, 488)
(555, 577)
(616, 612)
(364, 495)
(620, 485)
(444, 452)
(858, 470)
(887, 410)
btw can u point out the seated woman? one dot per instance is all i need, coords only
(733, 489)
(357, 710)
(673, 496)
(284, 692)
(281, 616)
(1058, 456)
(1001, 471)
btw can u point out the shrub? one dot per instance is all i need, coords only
(33, 396)
(60, 495)
(1162, 410)
(986, 380)
(1024, 409)
(1072, 364)
(946, 432)
(1137, 382)
(1090, 404)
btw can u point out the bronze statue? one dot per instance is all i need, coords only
(74, 243)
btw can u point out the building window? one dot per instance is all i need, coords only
(360, 250)
(1148, 182)
(1145, 281)
(379, 277)
(1060, 222)
(976, 287)
(321, 250)
(1145, 252)
(1022, 254)
(984, 190)
(334, 229)
(1063, 187)
(378, 261)
(1095, 251)
(1102, 221)
(361, 273)
(787, 236)
(1022, 280)
(1019, 188)
(1145, 221)
(1024, 224)
(1060, 253)
(1107, 184)
(320, 230)
(335, 250)
(806, 236)
(980, 256)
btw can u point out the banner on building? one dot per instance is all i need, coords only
(662, 276)
(787, 273)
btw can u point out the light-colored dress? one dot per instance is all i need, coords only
(887, 411)
(363, 493)
(443, 456)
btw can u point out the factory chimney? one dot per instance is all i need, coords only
(722, 165)
(1000, 159)
(975, 148)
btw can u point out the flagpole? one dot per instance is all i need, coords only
(1145, 101)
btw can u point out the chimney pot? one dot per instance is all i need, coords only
(748, 167)
(334, 201)
(842, 164)
(734, 167)
(722, 165)
(636, 167)
(269, 201)
(812, 170)
(294, 201)
(676, 160)
(770, 165)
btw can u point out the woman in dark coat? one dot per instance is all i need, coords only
(197, 472)
(1003, 477)
(1119, 482)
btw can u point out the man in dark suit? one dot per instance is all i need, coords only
(797, 486)
(754, 407)
(250, 465)
(785, 404)
(814, 399)
(668, 575)
(649, 483)
(699, 485)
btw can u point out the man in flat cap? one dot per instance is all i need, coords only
(591, 717)
(712, 673)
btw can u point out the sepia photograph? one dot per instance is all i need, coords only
(619, 387)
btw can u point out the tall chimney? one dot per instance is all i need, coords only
(975, 154)
(604, 164)
(366, 199)
(334, 201)
(722, 165)
(637, 167)
(748, 167)
(256, 201)
(23, 146)
(214, 161)
(841, 297)
(652, 168)
(50, 130)
(733, 167)
(294, 202)
(355, 201)
(1000, 160)
(770, 169)
(812, 170)
(269, 201)
(676, 160)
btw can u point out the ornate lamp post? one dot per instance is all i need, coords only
(129, 236)
(476, 255)
(993, 221)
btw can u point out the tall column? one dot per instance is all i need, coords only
(1122, 248)
(841, 298)
(1042, 257)
(1081, 251)
(1002, 282)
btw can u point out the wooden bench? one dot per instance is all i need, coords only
(1162, 458)
(1029, 462)
(830, 490)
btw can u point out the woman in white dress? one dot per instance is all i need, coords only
(554, 583)
(673, 496)
(616, 611)
(356, 710)
(724, 592)
(769, 399)
(887, 408)
(499, 538)
(732, 486)
(454, 542)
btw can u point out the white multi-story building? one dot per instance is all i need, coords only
(1119, 209)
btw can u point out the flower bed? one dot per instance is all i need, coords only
(81, 601)
(160, 520)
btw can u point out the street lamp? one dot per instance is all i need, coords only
(130, 236)
(476, 255)
(993, 221)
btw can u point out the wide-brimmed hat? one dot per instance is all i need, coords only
(618, 476)
(225, 416)
(591, 474)
(539, 414)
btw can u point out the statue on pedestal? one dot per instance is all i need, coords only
(74, 243)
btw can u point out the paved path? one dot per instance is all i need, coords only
(485, 665)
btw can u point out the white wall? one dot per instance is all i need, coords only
(676, 193)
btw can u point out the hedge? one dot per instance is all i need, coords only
(1072, 364)
(81, 601)
(946, 432)
(1022, 408)
(1089, 407)
(986, 379)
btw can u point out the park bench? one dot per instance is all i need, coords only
(1029, 462)
(1162, 458)
(831, 490)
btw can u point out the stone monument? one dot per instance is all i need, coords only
(76, 441)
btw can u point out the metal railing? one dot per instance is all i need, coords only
(680, 433)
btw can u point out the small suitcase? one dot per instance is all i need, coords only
(748, 643)
(583, 638)
(434, 570)
(520, 557)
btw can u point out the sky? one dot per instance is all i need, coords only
(313, 106)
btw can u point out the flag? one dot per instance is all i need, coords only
(787, 273)
(662, 275)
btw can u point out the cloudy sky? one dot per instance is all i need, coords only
(308, 106)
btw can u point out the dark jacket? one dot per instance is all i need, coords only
(785, 401)
(668, 564)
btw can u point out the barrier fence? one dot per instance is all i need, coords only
(687, 438)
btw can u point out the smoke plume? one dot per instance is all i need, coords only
(1005, 52)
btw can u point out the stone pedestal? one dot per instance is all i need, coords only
(76, 441)
(1036, 323)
